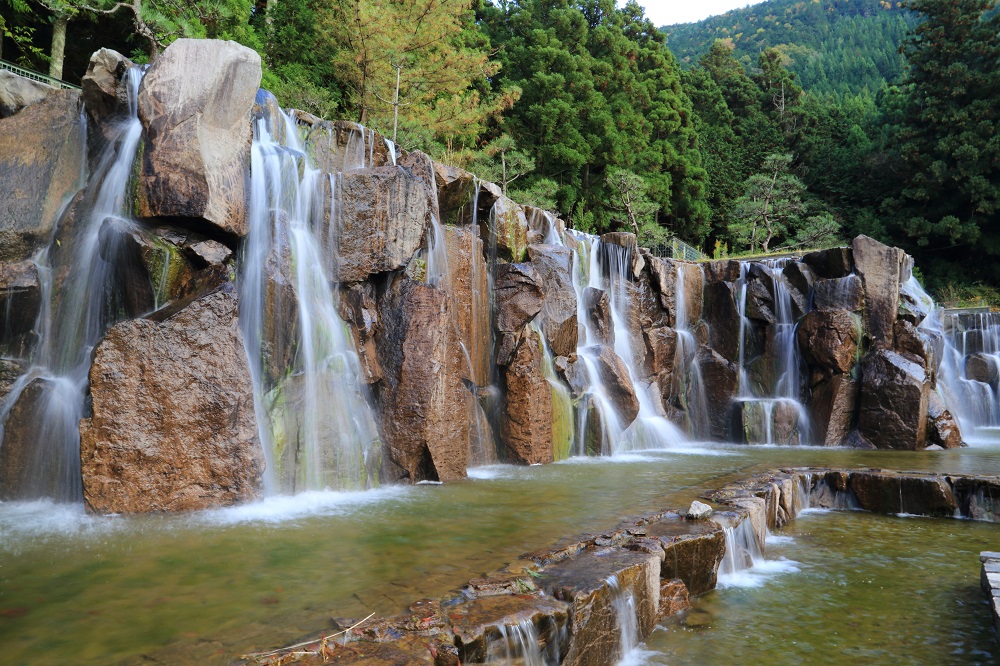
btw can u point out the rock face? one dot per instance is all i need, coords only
(341, 145)
(380, 218)
(598, 308)
(558, 317)
(468, 284)
(942, 428)
(421, 397)
(102, 92)
(829, 339)
(197, 120)
(510, 227)
(833, 402)
(839, 294)
(41, 157)
(879, 267)
(617, 383)
(20, 300)
(527, 424)
(723, 319)
(894, 398)
(721, 380)
(173, 425)
(518, 296)
(17, 92)
(830, 264)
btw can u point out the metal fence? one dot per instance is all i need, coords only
(36, 76)
(675, 248)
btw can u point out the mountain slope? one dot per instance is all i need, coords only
(833, 46)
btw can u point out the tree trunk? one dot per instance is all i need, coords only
(58, 46)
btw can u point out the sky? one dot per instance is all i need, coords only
(668, 12)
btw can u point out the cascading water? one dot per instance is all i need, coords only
(685, 363)
(771, 409)
(518, 644)
(742, 549)
(623, 602)
(314, 417)
(75, 315)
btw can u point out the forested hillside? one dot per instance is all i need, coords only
(832, 46)
(581, 107)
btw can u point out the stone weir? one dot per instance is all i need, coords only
(588, 599)
(401, 319)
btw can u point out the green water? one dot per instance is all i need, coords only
(206, 587)
(868, 589)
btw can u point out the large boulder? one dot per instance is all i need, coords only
(720, 379)
(341, 145)
(677, 282)
(558, 317)
(195, 164)
(468, 284)
(380, 219)
(830, 264)
(661, 352)
(879, 267)
(983, 368)
(41, 156)
(519, 296)
(463, 198)
(723, 318)
(832, 407)
(597, 305)
(421, 397)
(942, 427)
(173, 424)
(357, 307)
(505, 230)
(844, 293)
(617, 383)
(527, 424)
(829, 339)
(894, 399)
(17, 92)
(103, 94)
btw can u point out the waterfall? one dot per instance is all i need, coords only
(78, 308)
(518, 644)
(626, 615)
(771, 408)
(686, 363)
(314, 417)
(742, 549)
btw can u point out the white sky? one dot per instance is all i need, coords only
(668, 12)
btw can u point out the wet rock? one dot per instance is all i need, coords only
(20, 302)
(382, 214)
(422, 167)
(573, 373)
(832, 405)
(41, 153)
(893, 403)
(980, 367)
(506, 345)
(661, 352)
(10, 370)
(598, 308)
(482, 626)
(800, 278)
(506, 224)
(593, 434)
(103, 92)
(942, 427)
(769, 421)
(280, 318)
(889, 492)
(724, 270)
(919, 346)
(527, 424)
(357, 307)
(558, 317)
(830, 264)
(461, 196)
(585, 581)
(623, 247)
(195, 162)
(760, 294)
(17, 92)
(693, 550)
(421, 397)
(545, 225)
(698, 511)
(518, 296)
(879, 267)
(674, 598)
(723, 319)
(173, 424)
(829, 339)
(210, 253)
(617, 383)
(342, 145)
(469, 287)
(720, 379)
(839, 294)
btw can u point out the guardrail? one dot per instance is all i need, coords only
(36, 76)
(675, 248)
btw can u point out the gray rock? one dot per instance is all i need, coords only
(17, 92)
(558, 316)
(698, 511)
(879, 267)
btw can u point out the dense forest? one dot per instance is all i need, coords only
(787, 125)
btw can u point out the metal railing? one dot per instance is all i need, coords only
(36, 76)
(675, 248)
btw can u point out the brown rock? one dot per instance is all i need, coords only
(506, 224)
(481, 625)
(830, 264)
(942, 428)
(617, 382)
(424, 422)
(980, 367)
(844, 293)
(461, 196)
(829, 339)
(382, 214)
(769, 421)
(723, 270)
(41, 153)
(341, 145)
(358, 309)
(664, 275)
(623, 245)
(673, 597)
(173, 425)
(720, 379)
(103, 92)
(723, 318)
(661, 347)
(694, 550)
(195, 163)
(879, 267)
(893, 404)
(598, 309)
(527, 424)
(890, 492)
(518, 296)
(18, 92)
(800, 277)
(468, 285)
(20, 301)
(558, 316)
(832, 405)
(547, 227)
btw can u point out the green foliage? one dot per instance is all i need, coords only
(500, 161)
